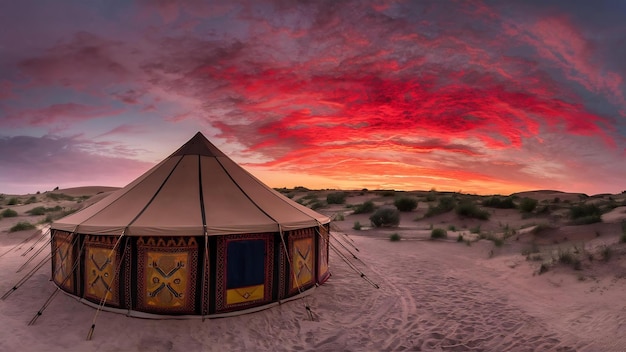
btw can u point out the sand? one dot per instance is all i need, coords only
(433, 296)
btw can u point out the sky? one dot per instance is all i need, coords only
(485, 97)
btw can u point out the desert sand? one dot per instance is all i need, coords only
(433, 295)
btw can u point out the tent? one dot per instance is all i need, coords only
(195, 235)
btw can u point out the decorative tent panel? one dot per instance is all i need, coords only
(302, 256)
(322, 254)
(100, 267)
(166, 277)
(63, 260)
(245, 270)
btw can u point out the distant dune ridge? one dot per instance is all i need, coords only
(545, 271)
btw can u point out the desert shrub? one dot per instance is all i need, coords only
(405, 203)
(459, 238)
(475, 229)
(385, 217)
(12, 201)
(59, 196)
(543, 268)
(499, 202)
(31, 200)
(451, 228)
(48, 219)
(37, 211)
(357, 226)
(470, 210)
(22, 226)
(438, 233)
(444, 205)
(566, 257)
(394, 237)
(366, 207)
(387, 193)
(606, 253)
(9, 213)
(527, 205)
(317, 204)
(585, 214)
(339, 217)
(336, 198)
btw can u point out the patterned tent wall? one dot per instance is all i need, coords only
(171, 276)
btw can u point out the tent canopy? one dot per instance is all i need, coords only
(196, 187)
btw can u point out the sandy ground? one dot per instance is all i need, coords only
(433, 296)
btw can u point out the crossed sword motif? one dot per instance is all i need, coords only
(165, 276)
(303, 263)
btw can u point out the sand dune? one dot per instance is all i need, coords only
(433, 296)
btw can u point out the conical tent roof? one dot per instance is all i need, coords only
(195, 188)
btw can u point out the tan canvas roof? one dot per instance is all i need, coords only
(196, 186)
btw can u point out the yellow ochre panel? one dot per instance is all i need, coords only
(302, 258)
(64, 264)
(166, 279)
(100, 273)
(245, 294)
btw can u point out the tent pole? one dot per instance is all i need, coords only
(34, 255)
(18, 246)
(115, 275)
(203, 304)
(58, 289)
(36, 243)
(351, 265)
(293, 273)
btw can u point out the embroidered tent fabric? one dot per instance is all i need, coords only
(195, 235)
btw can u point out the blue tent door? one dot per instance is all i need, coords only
(245, 271)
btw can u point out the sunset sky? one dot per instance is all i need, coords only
(475, 96)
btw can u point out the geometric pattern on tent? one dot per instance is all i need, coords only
(322, 269)
(245, 271)
(100, 271)
(301, 244)
(63, 260)
(167, 283)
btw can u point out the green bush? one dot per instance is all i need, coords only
(9, 213)
(12, 201)
(444, 205)
(438, 233)
(470, 210)
(385, 217)
(59, 196)
(405, 203)
(585, 214)
(499, 202)
(527, 205)
(317, 204)
(388, 193)
(394, 237)
(22, 226)
(37, 211)
(31, 200)
(459, 238)
(366, 207)
(357, 226)
(336, 198)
